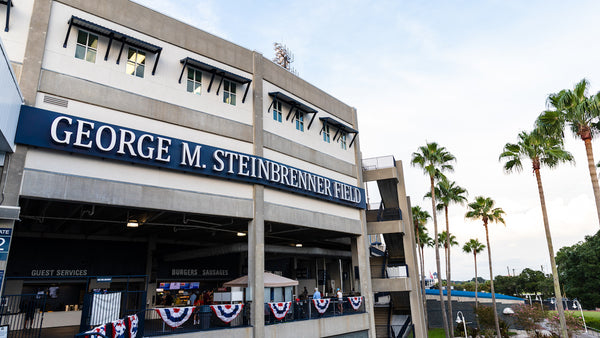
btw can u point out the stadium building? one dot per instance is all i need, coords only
(157, 162)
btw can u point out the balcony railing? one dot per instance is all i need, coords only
(305, 309)
(204, 318)
(378, 162)
(390, 271)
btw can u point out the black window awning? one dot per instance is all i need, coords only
(340, 128)
(8, 4)
(113, 35)
(214, 70)
(294, 104)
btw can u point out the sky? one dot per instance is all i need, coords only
(469, 75)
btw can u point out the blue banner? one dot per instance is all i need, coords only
(5, 235)
(48, 129)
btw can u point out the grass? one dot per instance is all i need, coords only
(592, 318)
(437, 333)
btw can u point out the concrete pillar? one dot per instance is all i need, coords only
(12, 177)
(360, 244)
(410, 254)
(256, 227)
(34, 50)
(151, 285)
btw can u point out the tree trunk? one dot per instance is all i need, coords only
(487, 239)
(437, 261)
(593, 175)
(557, 295)
(476, 282)
(448, 278)
(423, 286)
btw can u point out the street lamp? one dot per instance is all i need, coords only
(576, 305)
(537, 297)
(553, 302)
(459, 320)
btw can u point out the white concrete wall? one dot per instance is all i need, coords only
(162, 86)
(15, 39)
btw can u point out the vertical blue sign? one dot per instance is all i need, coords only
(5, 235)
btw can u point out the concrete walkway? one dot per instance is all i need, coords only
(523, 334)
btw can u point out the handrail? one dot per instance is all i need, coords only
(407, 323)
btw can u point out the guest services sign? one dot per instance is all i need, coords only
(47, 129)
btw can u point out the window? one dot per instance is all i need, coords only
(87, 46)
(342, 139)
(300, 121)
(229, 92)
(194, 81)
(136, 62)
(277, 110)
(326, 136)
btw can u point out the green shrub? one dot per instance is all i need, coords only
(485, 318)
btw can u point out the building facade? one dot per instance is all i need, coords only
(154, 157)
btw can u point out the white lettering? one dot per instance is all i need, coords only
(217, 157)
(124, 141)
(82, 132)
(243, 165)
(67, 134)
(187, 158)
(163, 149)
(140, 144)
(113, 138)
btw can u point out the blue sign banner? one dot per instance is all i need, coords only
(48, 129)
(5, 234)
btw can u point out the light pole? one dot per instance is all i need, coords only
(576, 305)
(553, 302)
(537, 297)
(460, 315)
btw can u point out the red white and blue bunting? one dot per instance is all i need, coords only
(175, 316)
(133, 322)
(280, 309)
(98, 329)
(355, 302)
(119, 329)
(321, 305)
(227, 312)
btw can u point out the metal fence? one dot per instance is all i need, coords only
(305, 309)
(202, 318)
(23, 314)
(103, 308)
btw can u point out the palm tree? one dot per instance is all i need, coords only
(420, 218)
(424, 241)
(581, 112)
(545, 150)
(447, 192)
(434, 159)
(474, 246)
(483, 208)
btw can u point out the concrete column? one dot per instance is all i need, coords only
(256, 227)
(360, 244)
(410, 254)
(12, 177)
(151, 285)
(34, 50)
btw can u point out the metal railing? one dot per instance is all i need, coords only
(202, 319)
(391, 271)
(23, 314)
(378, 162)
(305, 310)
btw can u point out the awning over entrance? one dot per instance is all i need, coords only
(270, 281)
